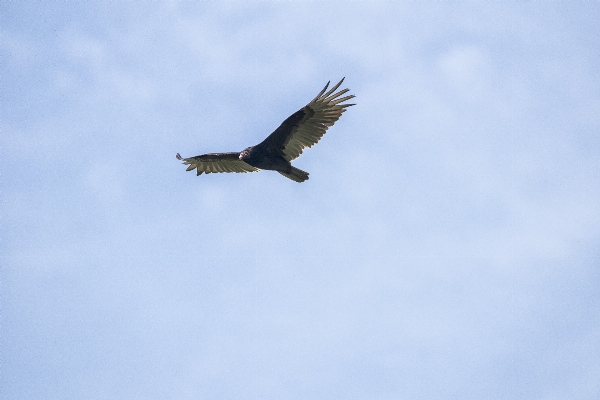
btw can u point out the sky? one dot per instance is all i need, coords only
(446, 245)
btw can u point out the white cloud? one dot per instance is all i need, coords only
(467, 70)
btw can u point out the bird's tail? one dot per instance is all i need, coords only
(295, 174)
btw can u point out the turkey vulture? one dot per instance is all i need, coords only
(302, 129)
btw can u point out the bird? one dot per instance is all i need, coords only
(302, 129)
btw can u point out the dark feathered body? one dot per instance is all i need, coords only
(264, 158)
(269, 153)
(302, 129)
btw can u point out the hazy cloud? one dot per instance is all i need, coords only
(444, 246)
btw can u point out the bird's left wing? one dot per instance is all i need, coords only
(217, 162)
(307, 126)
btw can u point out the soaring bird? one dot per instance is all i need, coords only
(300, 130)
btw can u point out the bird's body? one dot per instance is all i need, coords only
(302, 129)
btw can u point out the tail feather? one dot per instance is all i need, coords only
(295, 174)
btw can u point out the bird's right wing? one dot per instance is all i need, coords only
(307, 126)
(217, 162)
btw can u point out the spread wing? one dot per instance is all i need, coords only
(307, 126)
(217, 162)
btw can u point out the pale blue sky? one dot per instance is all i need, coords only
(446, 246)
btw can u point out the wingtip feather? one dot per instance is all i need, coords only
(334, 88)
(321, 92)
(337, 101)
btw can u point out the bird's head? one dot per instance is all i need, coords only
(245, 154)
